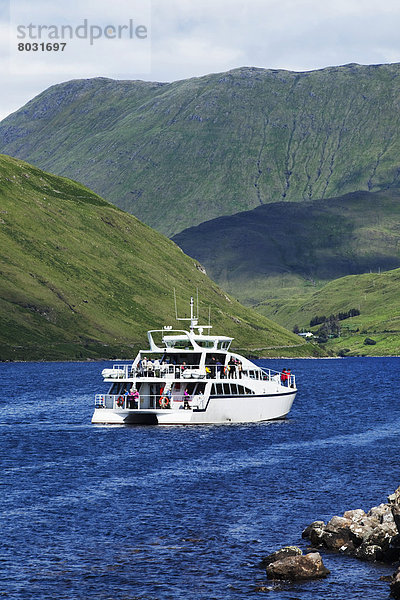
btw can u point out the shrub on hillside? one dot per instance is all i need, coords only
(343, 352)
(341, 316)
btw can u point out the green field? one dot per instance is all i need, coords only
(375, 295)
(82, 279)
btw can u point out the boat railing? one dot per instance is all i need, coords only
(163, 371)
(285, 379)
(149, 401)
(193, 371)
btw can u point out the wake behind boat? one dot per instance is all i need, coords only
(192, 377)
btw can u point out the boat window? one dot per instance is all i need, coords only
(234, 389)
(245, 390)
(219, 389)
(184, 344)
(205, 343)
(223, 345)
(190, 388)
(116, 388)
(240, 389)
(227, 391)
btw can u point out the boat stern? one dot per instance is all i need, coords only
(105, 416)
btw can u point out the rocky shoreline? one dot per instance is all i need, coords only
(370, 536)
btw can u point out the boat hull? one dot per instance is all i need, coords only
(252, 409)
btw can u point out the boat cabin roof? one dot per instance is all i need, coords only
(185, 340)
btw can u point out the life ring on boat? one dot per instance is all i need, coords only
(120, 401)
(164, 402)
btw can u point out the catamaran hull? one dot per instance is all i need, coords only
(218, 410)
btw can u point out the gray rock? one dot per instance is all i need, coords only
(336, 541)
(282, 553)
(395, 541)
(395, 584)
(368, 552)
(359, 533)
(337, 534)
(381, 513)
(337, 524)
(355, 515)
(300, 567)
(382, 535)
(395, 497)
(314, 533)
(395, 510)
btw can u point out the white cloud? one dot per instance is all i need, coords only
(191, 38)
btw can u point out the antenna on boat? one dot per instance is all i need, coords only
(194, 319)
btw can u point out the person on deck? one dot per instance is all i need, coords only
(219, 369)
(213, 367)
(186, 400)
(157, 367)
(239, 368)
(231, 368)
(143, 366)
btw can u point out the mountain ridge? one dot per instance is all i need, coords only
(286, 249)
(177, 154)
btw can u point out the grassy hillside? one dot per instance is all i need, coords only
(181, 153)
(278, 252)
(375, 295)
(80, 278)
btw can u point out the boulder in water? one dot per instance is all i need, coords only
(297, 567)
(395, 584)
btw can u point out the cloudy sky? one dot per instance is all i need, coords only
(165, 40)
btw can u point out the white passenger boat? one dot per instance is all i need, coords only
(192, 377)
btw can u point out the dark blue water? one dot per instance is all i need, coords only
(118, 513)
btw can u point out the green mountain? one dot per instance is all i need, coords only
(375, 295)
(280, 252)
(178, 154)
(80, 278)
